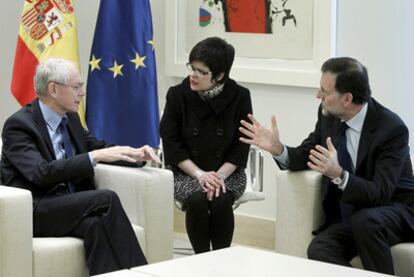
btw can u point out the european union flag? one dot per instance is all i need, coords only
(122, 104)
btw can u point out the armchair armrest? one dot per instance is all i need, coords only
(299, 210)
(147, 195)
(16, 232)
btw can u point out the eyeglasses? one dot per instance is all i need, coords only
(197, 72)
(76, 87)
(322, 92)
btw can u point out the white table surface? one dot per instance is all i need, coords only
(243, 261)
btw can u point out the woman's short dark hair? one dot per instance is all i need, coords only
(351, 76)
(215, 53)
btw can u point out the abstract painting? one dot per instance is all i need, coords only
(276, 41)
(282, 28)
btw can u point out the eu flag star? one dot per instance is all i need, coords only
(117, 69)
(138, 61)
(152, 43)
(94, 63)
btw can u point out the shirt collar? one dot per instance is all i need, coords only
(51, 117)
(357, 121)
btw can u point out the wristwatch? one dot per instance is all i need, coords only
(339, 180)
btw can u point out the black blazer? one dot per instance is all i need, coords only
(205, 131)
(28, 159)
(383, 172)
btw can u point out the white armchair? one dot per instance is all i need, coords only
(146, 195)
(299, 212)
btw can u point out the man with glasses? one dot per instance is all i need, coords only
(47, 151)
(361, 148)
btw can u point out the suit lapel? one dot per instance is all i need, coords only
(40, 122)
(75, 133)
(370, 124)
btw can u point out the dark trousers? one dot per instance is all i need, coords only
(209, 221)
(372, 233)
(98, 218)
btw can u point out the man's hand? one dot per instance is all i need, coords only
(124, 153)
(267, 139)
(325, 160)
(145, 153)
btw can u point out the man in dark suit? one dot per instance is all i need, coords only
(47, 151)
(362, 150)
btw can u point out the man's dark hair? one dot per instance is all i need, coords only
(351, 76)
(215, 53)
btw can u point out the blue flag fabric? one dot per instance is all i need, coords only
(122, 104)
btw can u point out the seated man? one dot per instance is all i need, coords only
(47, 151)
(362, 150)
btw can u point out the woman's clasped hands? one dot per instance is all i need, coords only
(212, 183)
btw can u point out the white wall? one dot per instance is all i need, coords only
(377, 32)
(9, 24)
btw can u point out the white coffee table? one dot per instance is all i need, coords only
(243, 261)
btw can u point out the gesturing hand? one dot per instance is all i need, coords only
(267, 139)
(325, 160)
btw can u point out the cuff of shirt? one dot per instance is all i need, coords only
(344, 181)
(93, 163)
(283, 158)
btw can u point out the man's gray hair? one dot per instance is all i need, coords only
(51, 70)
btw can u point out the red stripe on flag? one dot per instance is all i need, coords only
(29, 21)
(25, 63)
(29, 16)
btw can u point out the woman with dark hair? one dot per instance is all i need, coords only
(200, 136)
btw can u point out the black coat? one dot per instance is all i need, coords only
(205, 131)
(383, 172)
(28, 158)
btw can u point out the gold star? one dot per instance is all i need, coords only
(152, 43)
(116, 69)
(138, 61)
(94, 63)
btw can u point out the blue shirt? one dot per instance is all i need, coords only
(53, 120)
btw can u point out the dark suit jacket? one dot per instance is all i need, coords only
(28, 159)
(383, 172)
(205, 131)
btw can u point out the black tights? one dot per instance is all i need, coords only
(209, 221)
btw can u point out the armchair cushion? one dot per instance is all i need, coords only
(299, 212)
(15, 232)
(49, 254)
(145, 193)
(65, 256)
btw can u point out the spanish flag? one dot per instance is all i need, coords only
(47, 29)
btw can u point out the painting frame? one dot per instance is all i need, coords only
(288, 72)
